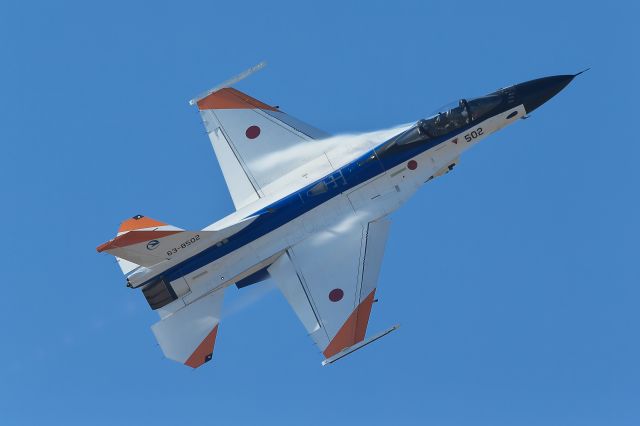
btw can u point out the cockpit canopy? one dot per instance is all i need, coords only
(451, 119)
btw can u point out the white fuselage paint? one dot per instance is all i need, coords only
(364, 203)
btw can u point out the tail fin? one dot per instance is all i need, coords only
(136, 222)
(187, 329)
(142, 241)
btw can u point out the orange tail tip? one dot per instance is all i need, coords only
(139, 222)
(145, 229)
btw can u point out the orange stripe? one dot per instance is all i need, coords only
(204, 351)
(139, 223)
(354, 329)
(134, 237)
(229, 98)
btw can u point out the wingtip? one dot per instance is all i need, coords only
(228, 83)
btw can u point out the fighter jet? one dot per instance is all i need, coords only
(312, 214)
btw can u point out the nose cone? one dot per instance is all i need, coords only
(534, 93)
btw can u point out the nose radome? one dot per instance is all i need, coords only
(534, 93)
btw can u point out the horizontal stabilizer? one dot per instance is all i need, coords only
(189, 335)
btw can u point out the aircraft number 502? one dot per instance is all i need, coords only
(473, 134)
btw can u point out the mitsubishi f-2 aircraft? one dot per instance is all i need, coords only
(312, 214)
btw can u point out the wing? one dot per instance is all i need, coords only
(249, 138)
(330, 281)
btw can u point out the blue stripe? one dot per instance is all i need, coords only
(373, 163)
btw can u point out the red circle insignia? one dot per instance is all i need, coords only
(336, 295)
(252, 132)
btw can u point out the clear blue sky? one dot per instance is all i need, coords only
(515, 278)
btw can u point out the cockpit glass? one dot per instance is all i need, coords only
(449, 119)
(481, 106)
(412, 135)
(445, 121)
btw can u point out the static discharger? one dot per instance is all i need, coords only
(229, 82)
(362, 344)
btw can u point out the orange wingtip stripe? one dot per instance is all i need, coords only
(353, 330)
(229, 98)
(139, 222)
(133, 237)
(204, 351)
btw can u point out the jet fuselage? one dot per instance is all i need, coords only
(362, 189)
